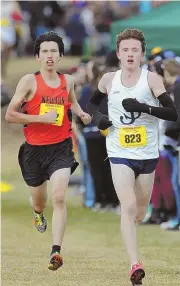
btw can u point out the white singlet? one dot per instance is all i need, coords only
(134, 135)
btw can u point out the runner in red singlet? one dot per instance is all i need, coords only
(47, 99)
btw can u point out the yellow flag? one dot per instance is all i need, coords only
(5, 187)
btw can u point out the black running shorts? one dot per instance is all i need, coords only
(38, 163)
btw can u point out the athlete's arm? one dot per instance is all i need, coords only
(23, 89)
(98, 95)
(100, 120)
(75, 107)
(166, 112)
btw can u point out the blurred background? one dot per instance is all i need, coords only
(89, 30)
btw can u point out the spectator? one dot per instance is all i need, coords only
(76, 31)
(172, 77)
(10, 15)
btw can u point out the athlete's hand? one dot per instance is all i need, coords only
(104, 123)
(132, 105)
(49, 117)
(85, 117)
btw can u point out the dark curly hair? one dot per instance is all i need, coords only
(48, 37)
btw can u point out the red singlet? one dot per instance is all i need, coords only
(45, 99)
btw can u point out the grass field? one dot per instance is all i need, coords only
(93, 251)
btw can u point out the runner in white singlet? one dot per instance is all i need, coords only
(137, 99)
(123, 141)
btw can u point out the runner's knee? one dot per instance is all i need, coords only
(128, 207)
(58, 199)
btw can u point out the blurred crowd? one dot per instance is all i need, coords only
(85, 28)
(165, 202)
(84, 25)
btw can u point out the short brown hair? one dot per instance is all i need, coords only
(131, 34)
(172, 67)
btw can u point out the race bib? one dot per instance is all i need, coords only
(46, 107)
(132, 136)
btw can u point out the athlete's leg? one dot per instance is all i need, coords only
(59, 181)
(35, 177)
(124, 180)
(143, 191)
(38, 201)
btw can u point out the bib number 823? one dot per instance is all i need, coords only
(133, 138)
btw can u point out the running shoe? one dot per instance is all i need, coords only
(137, 273)
(56, 261)
(40, 222)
